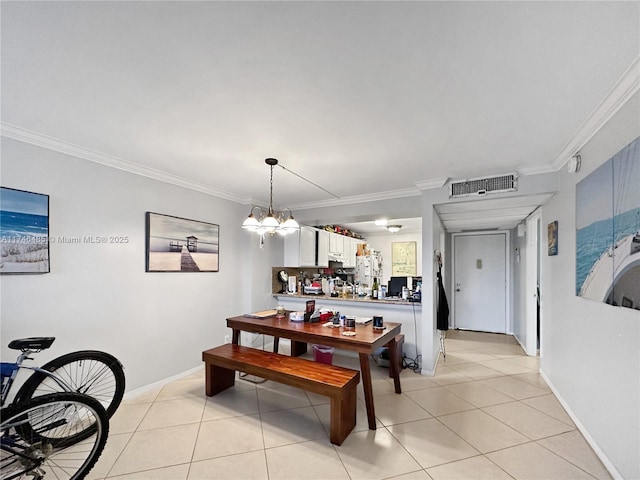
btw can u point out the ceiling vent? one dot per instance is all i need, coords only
(484, 185)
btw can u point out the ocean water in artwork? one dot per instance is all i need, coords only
(599, 237)
(17, 226)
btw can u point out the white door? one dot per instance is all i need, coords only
(480, 280)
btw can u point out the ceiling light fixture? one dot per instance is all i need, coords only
(261, 220)
(381, 222)
(394, 228)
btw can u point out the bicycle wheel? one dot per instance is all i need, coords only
(39, 437)
(94, 373)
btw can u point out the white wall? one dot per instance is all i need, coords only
(590, 351)
(99, 296)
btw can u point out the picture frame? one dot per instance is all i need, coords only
(176, 244)
(607, 230)
(403, 259)
(552, 239)
(24, 232)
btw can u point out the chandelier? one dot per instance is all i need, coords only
(261, 220)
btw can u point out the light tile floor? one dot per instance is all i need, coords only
(487, 414)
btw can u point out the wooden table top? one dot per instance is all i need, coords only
(366, 340)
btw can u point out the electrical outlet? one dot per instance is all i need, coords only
(227, 339)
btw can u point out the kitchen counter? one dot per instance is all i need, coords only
(348, 298)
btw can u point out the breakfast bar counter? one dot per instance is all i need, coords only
(322, 299)
(408, 314)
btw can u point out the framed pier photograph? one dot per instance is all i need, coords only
(175, 244)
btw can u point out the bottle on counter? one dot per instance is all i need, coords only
(374, 289)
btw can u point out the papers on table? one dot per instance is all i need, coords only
(363, 320)
(262, 314)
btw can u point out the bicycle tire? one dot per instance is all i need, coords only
(40, 437)
(95, 373)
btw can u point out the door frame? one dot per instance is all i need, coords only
(532, 275)
(508, 274)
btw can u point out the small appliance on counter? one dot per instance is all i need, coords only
(292, 284)
(314, 289)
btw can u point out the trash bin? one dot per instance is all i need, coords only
(323, 354)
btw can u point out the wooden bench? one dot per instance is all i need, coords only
(337, 383)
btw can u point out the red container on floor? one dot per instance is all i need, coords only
(323, 354)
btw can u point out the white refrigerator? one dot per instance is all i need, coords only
(368, 267)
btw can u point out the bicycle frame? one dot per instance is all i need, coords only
(6, 386)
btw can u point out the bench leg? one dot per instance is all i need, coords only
(343, 415)
(218, 379)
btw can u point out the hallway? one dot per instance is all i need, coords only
(487, 414)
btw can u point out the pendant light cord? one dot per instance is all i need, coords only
(306, 180)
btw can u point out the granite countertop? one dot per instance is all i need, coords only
(348, 298)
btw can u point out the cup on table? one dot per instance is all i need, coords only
(350, 324)
(280, 311)
(377, 322)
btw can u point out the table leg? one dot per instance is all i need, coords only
(298, 348)
(393, 364)
(365, 372)
(235, 339)
(276, 344)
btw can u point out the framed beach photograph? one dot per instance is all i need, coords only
(24, 231)
(177, 244)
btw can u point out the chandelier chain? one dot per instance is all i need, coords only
(271, 192)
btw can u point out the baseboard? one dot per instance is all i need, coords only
(432, 372)
(585, 433)
(160, 383)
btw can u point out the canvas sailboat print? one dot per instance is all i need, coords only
(608, 231)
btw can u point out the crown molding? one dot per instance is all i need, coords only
(373, 197)
(34, 138)
(536, 170)
(627, 86)
(430, 184)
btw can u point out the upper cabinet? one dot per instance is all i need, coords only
(350, 250)
(336, 244)
(313, 247)
(322, 248)
(306, 248)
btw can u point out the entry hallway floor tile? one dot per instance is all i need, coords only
(486, 414)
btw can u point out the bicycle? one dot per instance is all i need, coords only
(64, 432)
(42, 436)
(95, 373)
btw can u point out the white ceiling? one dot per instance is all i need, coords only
(361, 98)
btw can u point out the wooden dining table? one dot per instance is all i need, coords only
(365, 342)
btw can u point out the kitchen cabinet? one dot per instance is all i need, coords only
(323, 248)
(350, 250)
(306, 248)
(336, 244)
